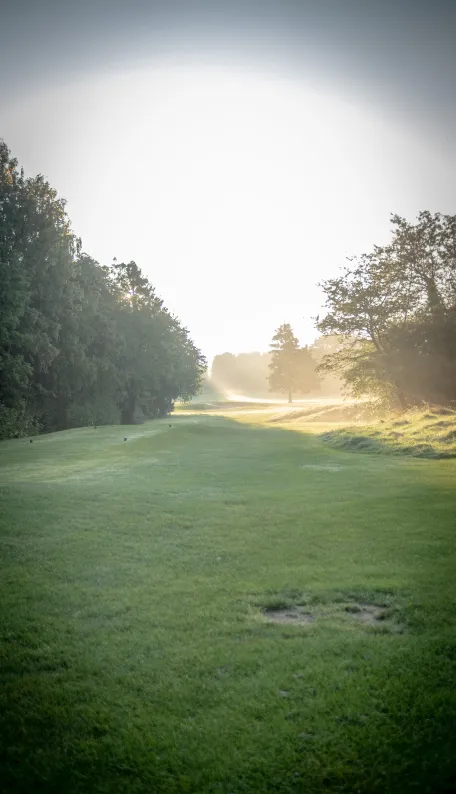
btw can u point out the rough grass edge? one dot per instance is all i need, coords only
(429, 434)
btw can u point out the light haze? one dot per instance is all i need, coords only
(235, 187)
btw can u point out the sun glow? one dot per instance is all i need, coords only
(234, 192)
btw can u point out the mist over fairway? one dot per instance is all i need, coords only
(227, 397)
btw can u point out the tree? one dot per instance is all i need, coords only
(37, 252)
(292, 369)
(158, 361)
(245, 373)
(14, 370)
(79, 343)
(331, 384)
(224, 374)
(393, 312)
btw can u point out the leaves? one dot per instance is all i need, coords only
(393, 313)
(78, 342)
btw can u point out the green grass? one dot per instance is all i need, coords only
(218, 406)
(135, 653)
(425, 435)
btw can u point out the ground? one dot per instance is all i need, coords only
(143, 584)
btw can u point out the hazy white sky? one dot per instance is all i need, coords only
(235, 189)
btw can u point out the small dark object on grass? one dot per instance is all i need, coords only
(169, 425)
(125, 438)
(31, 440)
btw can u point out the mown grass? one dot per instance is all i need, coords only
(218, 406)
(426, 434)
(135, 653)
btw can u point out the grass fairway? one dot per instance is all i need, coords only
(136, 655)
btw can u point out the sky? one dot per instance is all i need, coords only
(237, 151)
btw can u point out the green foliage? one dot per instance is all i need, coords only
(14, 370)
(158, 360)
(79, 343)
(292, 369)
(99, 411)
(331, 385)
(17, 422)
(394, 314)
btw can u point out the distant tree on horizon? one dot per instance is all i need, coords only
(292, 369)
(242, 373)
(331, 384)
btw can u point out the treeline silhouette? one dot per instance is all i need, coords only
(80, 344)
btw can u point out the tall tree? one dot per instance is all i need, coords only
(14, 288)
(37, 254)
(78, 343)
(393, 311)
(292, 369)
(158, 361)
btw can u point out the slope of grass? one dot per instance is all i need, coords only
(218, 406)
(425, 435)
(136, 656)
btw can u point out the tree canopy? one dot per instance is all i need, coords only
(393, 312)
(79, 343)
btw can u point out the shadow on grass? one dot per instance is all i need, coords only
(62, 729)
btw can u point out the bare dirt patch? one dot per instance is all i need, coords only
(379, 616)
(371, 614)
(289, 616)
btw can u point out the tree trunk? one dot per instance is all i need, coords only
(128, 410)
(433, 295)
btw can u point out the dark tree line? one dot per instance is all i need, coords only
(79, 343)
(393, 312)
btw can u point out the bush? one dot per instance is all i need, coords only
(17, 422)
(98, 412)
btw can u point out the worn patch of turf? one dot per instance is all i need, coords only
(135, 654)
